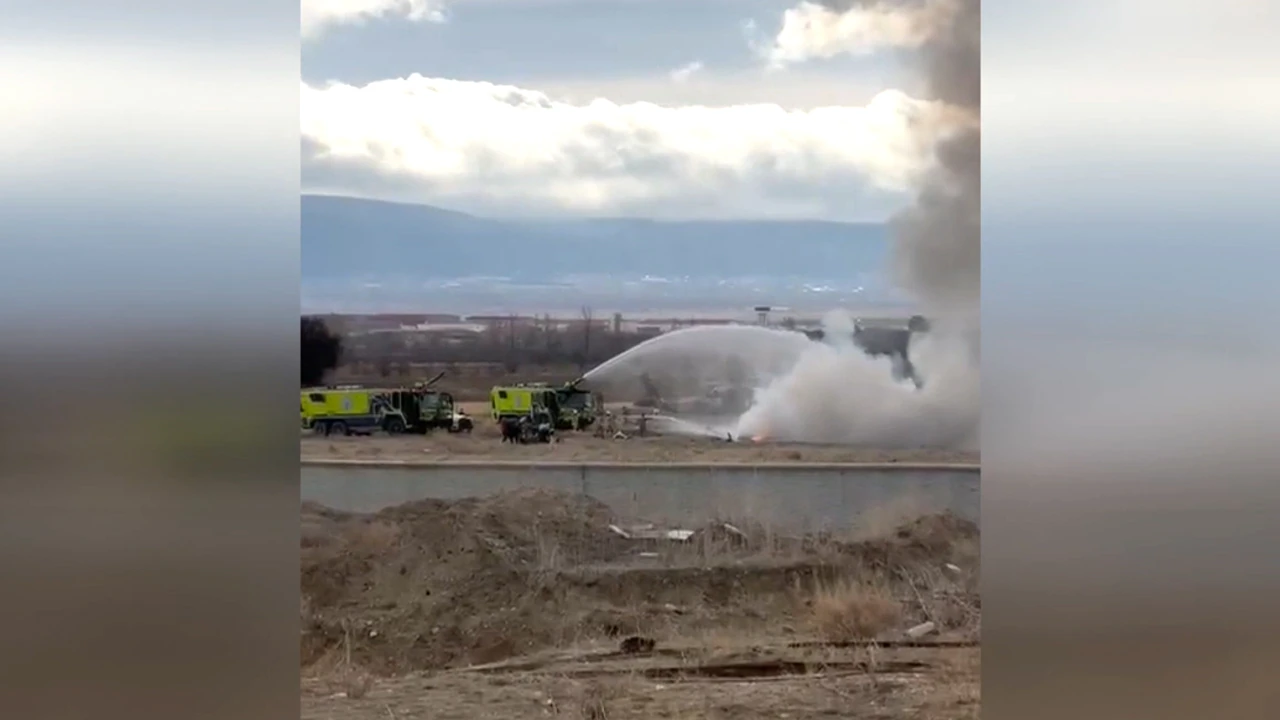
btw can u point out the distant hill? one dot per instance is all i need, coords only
(345, 238)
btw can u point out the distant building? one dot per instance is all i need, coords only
(579, 324)
(441, 319)
(503, 320)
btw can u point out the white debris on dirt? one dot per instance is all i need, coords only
(919, 631)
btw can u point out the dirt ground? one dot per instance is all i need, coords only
(585, 448)
(484, 444)
(528, 604)
(916, 683)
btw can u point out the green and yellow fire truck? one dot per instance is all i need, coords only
(571, 407)
(347, 409)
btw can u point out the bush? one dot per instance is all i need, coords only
(847, 611)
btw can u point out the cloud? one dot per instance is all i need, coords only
(683, 73)
(319, 15)
(812, 31)
(803, 87)
(435, 140)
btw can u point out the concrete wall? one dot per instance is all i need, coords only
(800, 498)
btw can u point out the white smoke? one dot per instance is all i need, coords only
(836, 393)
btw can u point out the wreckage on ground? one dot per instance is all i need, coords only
(891, 342)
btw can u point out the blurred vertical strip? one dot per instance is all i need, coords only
(1130, 396)
(148, 300)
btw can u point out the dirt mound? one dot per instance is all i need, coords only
(437, 583)
(432, 583)
(929, 539)
(937, 533)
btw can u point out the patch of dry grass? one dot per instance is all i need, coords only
(373, 537)
(354, 683)
(956, 688)
(337, 673)
(847, 610)
(594, 701)
(883, 520)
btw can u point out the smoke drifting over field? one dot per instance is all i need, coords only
(836, 393)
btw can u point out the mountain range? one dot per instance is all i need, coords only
(350, 239)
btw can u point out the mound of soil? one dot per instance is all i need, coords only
(435, 583)
(929, 539)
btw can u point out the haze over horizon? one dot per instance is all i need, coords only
(376, 256)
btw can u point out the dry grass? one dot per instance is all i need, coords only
(832, 597)
(354, 683)
(593, 704)
(883, 520)
(337, 672)
(847, 610)
(961, 674)
(373, 538)
(483, 444)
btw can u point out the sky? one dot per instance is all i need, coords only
(649, 108)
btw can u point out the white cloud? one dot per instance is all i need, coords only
(812, 31)
(441, 140)
(683, 73)
(799, 88)
(319, 15)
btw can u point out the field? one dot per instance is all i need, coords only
(484, 444)
(480, 447)
(528, 604)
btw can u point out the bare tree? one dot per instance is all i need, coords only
(586, 337)
(513, 359)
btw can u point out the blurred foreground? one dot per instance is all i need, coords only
(538, 603)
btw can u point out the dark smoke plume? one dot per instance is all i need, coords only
(321, 351)
(937, 253)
